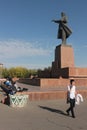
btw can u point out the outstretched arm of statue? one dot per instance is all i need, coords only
(56, 21)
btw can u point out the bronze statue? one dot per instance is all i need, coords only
(64, 31)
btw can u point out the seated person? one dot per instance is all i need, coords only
(7, 82)
(8, 87)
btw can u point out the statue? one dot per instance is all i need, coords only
(64, 31)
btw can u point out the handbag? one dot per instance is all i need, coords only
(68, 97)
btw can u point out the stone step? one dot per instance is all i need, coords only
(51, 95)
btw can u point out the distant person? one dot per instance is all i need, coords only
(72, 93)
(64, 31)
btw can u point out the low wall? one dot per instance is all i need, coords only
(53, 82)
(35, 82)
(51, 95)
(78, 72)
(44, 83)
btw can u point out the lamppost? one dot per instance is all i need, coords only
(1, 69)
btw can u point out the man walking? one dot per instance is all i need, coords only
(72, 93)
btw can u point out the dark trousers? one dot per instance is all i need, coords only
(5, 89)
(71, 108)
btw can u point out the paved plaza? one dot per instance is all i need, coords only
(43, 115)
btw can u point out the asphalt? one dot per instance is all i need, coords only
(43, 115)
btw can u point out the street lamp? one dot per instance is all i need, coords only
(1, 68)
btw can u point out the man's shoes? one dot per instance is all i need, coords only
(73, 116)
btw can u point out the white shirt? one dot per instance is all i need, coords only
(72, 91)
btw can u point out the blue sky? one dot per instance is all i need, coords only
(28, 37)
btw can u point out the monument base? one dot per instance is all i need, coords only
(70, 72)
(54, 81)
(63, 65)
(64, 59)
(64, 56)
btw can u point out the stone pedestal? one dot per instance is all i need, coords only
(64, 58)
(63, 65)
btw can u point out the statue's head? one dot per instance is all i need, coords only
(63, 14)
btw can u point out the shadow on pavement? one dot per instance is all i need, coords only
(53, 110)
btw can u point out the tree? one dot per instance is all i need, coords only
(19, 72)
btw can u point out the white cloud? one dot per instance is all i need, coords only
(16, 48)
(15, 53)
(26, 65)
